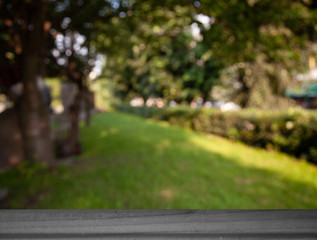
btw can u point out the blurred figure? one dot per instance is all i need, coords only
(160, 103)
(208, 104)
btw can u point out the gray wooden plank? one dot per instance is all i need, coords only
(158, 224)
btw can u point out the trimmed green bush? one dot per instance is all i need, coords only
(293, 132)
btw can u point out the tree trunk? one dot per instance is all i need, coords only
(88, 105)
(34, 114)
(74, 119)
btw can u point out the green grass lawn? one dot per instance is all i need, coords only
(129, 162)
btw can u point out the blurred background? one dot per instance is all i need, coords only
(158, 104)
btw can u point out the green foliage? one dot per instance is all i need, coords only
(152, 53)
(24, 183)
(293, 132)
(28, 170)
(103, 92)
(146, 112)
(55, 87)
(263, 43)
(151, 50)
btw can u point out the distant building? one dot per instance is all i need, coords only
(305, 97)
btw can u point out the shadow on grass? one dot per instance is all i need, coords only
(129, 162)
(147, 157)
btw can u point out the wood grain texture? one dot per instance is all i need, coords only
(158, 224)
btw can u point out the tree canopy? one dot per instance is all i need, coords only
(263, 42)
(177, 51)
(174, 49)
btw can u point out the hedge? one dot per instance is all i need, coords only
(293, 132)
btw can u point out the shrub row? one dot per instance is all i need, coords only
(293, 132)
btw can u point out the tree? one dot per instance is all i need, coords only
(28, 37)
(263, 43)
(25, 30)
(155, 53)
(74, 29)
